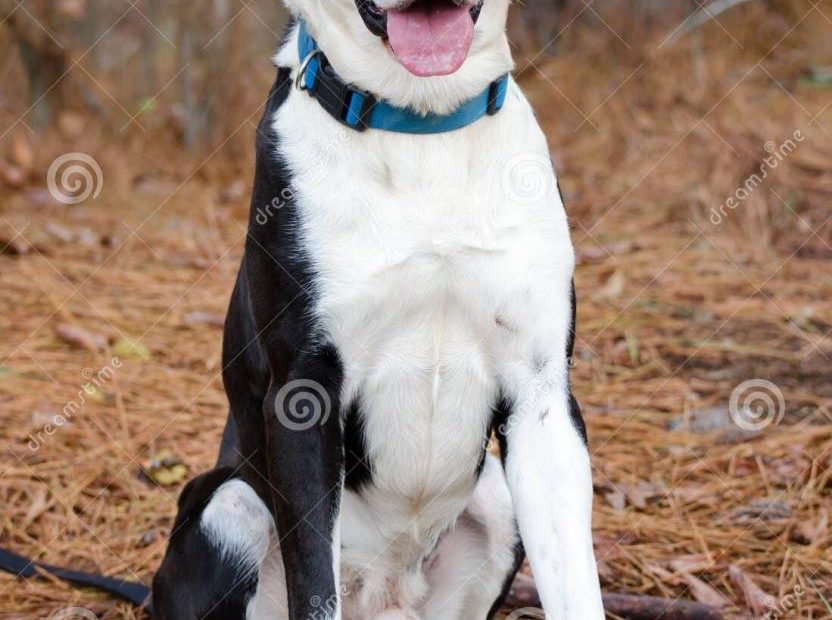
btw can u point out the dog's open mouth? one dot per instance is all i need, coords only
(428, 37)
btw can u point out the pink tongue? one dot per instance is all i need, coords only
(432, 37)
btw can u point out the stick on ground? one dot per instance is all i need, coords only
(524, 594)
(704, 15)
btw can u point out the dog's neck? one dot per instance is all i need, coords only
(361, 59)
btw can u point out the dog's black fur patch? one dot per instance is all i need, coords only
(195, 580)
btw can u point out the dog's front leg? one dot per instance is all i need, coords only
(547, 464)
(306, 473)
(548, 472)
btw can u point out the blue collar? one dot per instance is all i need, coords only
(360, 110)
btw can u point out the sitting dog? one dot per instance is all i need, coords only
(405, 294)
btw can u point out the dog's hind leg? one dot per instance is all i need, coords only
(240, 526)
(230, 453)
(245, 375)
(241, 529)
(222, 560)
(470, 567)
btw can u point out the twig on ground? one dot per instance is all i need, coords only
(704, 15)
(633, 607)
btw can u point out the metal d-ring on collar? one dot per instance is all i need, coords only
(300, 81)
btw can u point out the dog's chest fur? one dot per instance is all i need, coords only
(424, 281)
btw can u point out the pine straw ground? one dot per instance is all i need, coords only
(676, 313)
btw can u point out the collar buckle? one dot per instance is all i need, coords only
(358, 105)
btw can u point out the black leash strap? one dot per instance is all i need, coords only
(132, 592)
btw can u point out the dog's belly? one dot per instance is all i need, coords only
(414, 339)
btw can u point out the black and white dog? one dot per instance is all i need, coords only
(406, 290)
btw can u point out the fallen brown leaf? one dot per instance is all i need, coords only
(81, 338)
(693, 563)
(14, 245)
(704, 593)
(20, 152)
(756, 599)
(204, 318)
(11, 175)
(810, 531)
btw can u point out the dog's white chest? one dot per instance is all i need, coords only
(424, 272)
(422, 254)
(403, 294)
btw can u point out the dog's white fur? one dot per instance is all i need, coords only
(458, 579)
(441, 280)
(361, 58)
(239, 524)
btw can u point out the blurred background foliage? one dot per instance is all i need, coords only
(185, 75)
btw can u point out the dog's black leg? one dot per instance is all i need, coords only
(275, 383)
(305, 464)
